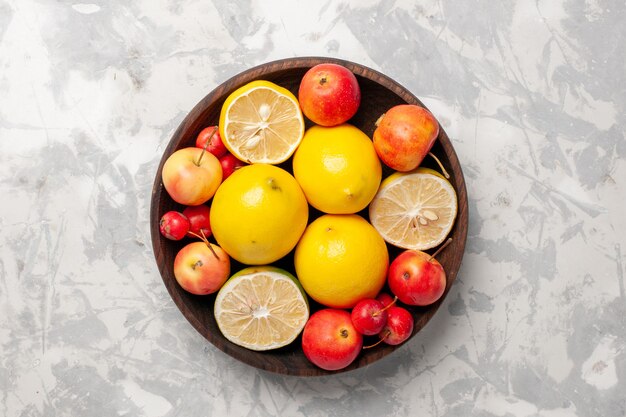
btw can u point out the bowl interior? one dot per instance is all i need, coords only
(379, 93)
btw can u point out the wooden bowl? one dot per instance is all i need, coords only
(379, 93)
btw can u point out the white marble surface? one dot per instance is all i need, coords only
(532, 94)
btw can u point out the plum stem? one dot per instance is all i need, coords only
(206, 241)
(379, 342)
(443, 170)
(395, 298)
(206, 145)
(442, 247)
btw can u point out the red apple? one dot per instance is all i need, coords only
(201, 270)
(329, 339)
(174, 225)
(416, 278)
(385, 298)
(369, 316)
(404, 136)
(191, 176)
(215, 145)
(399, 326)
(329, 94)
(230, 164)
(199, 220)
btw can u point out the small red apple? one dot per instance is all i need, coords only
(211, 135)
(416, 278)
(201, 270)
(404, 136)
(199, 220)
(191, 176)
(230, 164)
(174, 225)
(329, 94)
(369, 316)
(399, 326)
(385, 298)
(329, 339)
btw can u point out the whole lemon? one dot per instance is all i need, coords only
(337, 168)
(258, 214)
(340, 260)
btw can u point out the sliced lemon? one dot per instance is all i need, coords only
(261, 308)
(261, 122)
(414, 210)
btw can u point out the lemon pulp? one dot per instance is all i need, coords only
(261, 122)
(261, 308)
(414, 210)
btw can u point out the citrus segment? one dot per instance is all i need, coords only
(414, 210)
(261, 308)
(261, 122)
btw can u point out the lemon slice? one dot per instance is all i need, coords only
(261, 122)
(414, 210)
(261, 308)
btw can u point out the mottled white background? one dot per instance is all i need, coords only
(532, 94)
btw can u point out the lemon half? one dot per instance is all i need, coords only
(414, 210)
(261, 122)
(261, 308)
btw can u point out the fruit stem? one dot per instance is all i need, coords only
(443, 170)
(380, 119)
(206, 241)
(196, 235)
(379, 342)
(206, 145)
(395, 298)
(442, 247)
